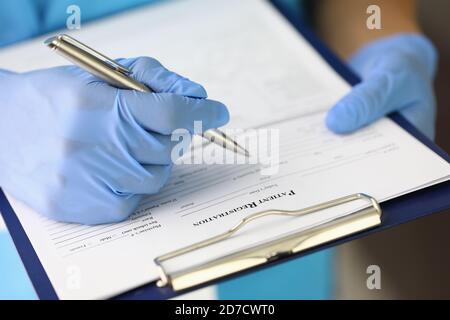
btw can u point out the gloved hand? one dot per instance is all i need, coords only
(78, 150)
(397, 75)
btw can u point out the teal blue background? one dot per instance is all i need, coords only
(305, 278)
(14, 282)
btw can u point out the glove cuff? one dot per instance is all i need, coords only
(413, 45)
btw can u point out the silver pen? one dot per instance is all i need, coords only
(118, 76)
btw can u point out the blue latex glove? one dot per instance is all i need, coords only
(397, 75)
(78, 150)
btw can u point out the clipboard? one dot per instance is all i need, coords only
(372, 218)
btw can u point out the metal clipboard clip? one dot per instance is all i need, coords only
(359, 220)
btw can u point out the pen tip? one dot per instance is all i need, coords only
(50, 42)
(242, 151)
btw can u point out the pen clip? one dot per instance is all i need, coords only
(109, 62)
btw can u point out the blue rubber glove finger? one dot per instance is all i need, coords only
(165, 112)
(149, 147)
(96, 181)
(154, 75)
(82, 155)
(150, 72)
(397, 75)
(371, 100)
(5, 73)
(91, 208)
(141, 179)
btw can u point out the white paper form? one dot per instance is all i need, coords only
(278, 76)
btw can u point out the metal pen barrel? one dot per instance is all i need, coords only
(118, 76)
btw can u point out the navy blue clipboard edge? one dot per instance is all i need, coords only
(397, 211)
